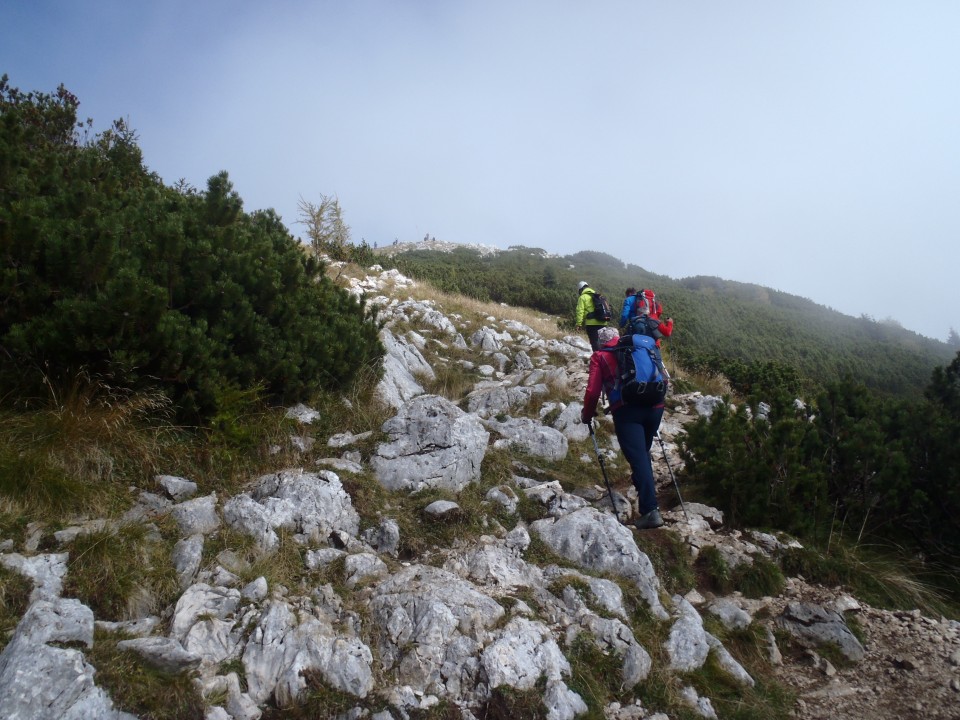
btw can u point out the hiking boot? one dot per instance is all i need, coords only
(649, 521)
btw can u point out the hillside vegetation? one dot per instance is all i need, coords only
(740, 330)
(109, 274)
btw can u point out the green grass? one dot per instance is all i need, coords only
(508, 703)
(767, 700)
(134, 686)
(759, 579)
(42, 485)
(452, 380)
(596, 676)
(15, 592)
(713, 571)
(420, 532)
(282, 566)
(319, 701)
(114, 570)
(671, 560)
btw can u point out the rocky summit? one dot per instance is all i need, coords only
(557, 581)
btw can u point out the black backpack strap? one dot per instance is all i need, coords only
(658, 361)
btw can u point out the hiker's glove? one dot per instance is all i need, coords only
(585, 417)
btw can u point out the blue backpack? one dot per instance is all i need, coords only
(641, 377)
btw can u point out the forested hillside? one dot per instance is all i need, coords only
(741, 330)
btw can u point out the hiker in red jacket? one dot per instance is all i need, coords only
(636, 427)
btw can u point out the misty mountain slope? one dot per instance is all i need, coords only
(459, 560)
(721, 326)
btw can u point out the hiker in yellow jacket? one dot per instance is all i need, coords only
(585, 315)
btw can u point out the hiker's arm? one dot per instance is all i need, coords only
(666, 327)
(592, 394)
(581, 308)
(625, 312)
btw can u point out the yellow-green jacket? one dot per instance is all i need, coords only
(585, 309)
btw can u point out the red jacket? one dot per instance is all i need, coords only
(603, 374)
(666, 328)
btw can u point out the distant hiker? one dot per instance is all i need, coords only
(641, 314)
(636, 425)
(592, 313)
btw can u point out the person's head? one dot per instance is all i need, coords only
(606, 334)
(629, 291)
(581, 285)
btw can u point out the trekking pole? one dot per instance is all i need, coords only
(603, 469)
(663, 449)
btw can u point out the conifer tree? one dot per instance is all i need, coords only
(106, 271)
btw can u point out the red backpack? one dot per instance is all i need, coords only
(646, 303)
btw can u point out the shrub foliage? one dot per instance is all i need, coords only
(852, 463)
(754, 336)
(105, 270)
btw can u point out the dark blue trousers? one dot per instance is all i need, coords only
(636, 428)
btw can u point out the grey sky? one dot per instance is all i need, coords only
(809, 146)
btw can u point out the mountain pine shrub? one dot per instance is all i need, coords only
(755, 468)
(105, 270)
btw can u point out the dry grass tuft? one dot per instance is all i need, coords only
(707, 383)
(78, 450)
(474, 309)
(15, 592)
(121, 573)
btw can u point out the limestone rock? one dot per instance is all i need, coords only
(434, 445)
(162, 653)
(531, 436)
(186, 559)
(431, 624)
(286, 644)
(385, 537)
(815, 625)
(302, 414)
(46, 571)
(177, 488)
(40, 681)
(598, 541)
(310, 504)
(687, 645)
(402, 362)
(197, 516)
(524, 652)
(730, 614)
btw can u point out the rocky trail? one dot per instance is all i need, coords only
(400, 636)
